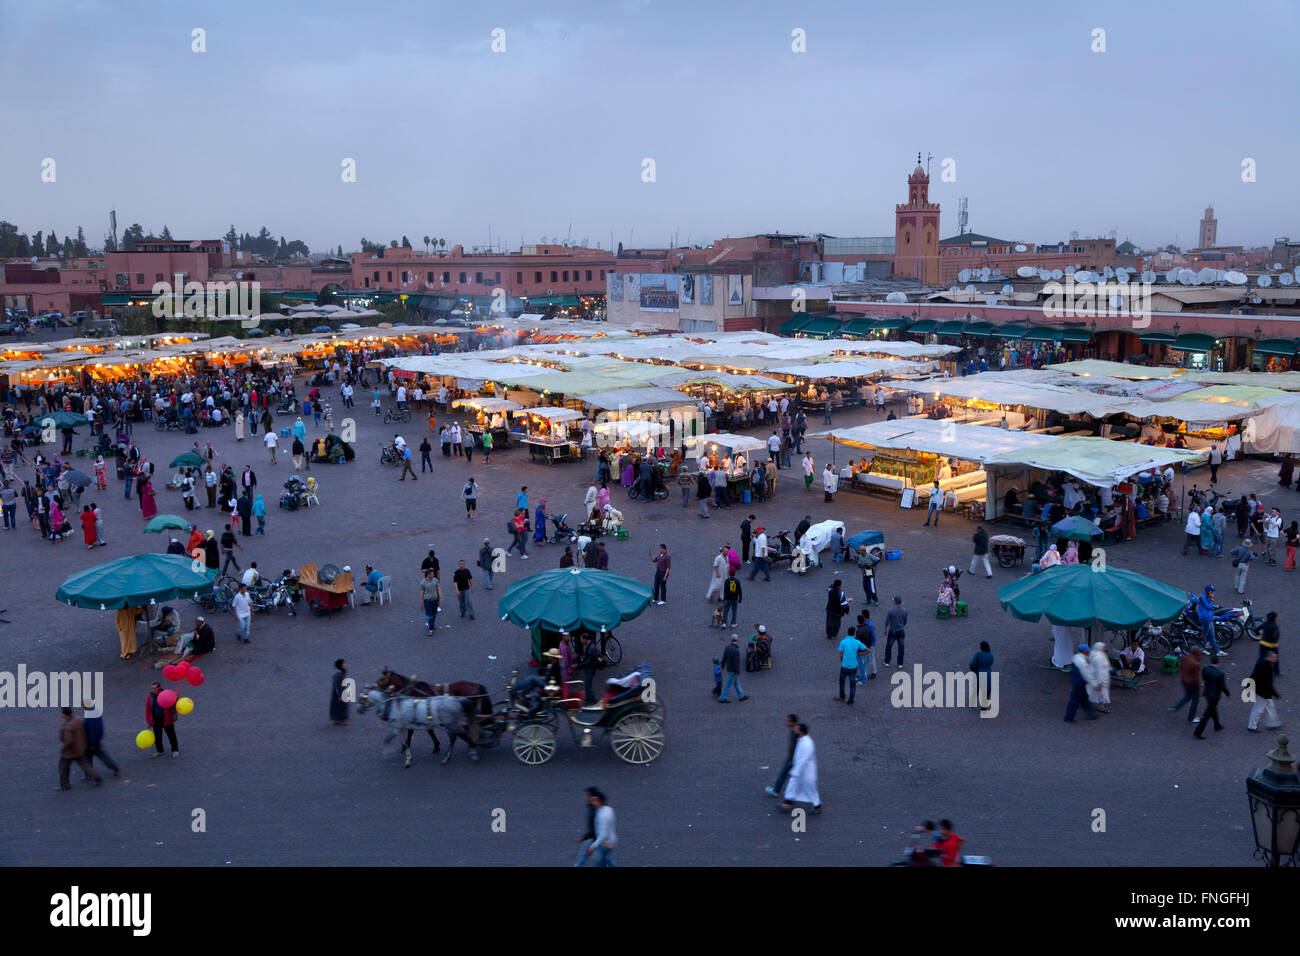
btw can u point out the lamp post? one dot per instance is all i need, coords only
(1274, 796)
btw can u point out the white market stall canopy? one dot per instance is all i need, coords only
(968, 442)
(632, 431)
(1287, 381)
(637, 399)
(1098, 461)
(732, 383)
(725, 441)
(849, 368)
(1057, 398)
(1115, 369)
(552, 413)
(488, 405)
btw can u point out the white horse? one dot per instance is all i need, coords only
(421, 713)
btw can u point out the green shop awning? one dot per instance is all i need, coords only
(924, 326)
(980, 329)
(1010, 331)
(1043, 333)
(821, 327)
(954, 327)
(792, 325)
(1156, 338)
(1194, 342)
(1282, 347)
(303, 296)
(858, 327)
(1075, 335)
(893, 322)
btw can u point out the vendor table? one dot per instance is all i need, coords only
(550, 452)
(500, 436)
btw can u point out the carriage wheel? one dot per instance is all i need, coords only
(613, 650)
(655, 710)
(638, 738)
(534, 743)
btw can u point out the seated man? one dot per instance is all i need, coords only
(373, 578)
(1133, 658)
(1030, 508)
(1011, 502)
(251, 575)
(1140, 512)
(168, 621)
(201, 640)
(528, 693)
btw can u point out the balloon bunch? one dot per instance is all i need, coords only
(180, 671)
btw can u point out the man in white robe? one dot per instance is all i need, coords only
(801, 787)
(719, 575)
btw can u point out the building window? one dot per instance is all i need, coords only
(478, 277)
(566, 275)
(554, 276)
(446, 277)
(589, 275)
(462, 278)
(602, 275)
(498, 278)
(376, 275)
(390, 275)
(537, 277)
(430, 279)
(519, 278)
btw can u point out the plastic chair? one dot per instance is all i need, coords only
(385, 590)
(961, 609)
(942, 610)
(311, 491)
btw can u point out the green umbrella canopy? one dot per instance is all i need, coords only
(1076, 595)
(190, 459)
(160, 523)
(566, 599)
(62, 419)
(137, 581)
(1075, 528)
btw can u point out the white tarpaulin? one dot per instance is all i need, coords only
(635, 432)
(1275, 429)
(1098, 461)
(637, 399)
(850, 368)
(484, 404)
(944, 437)
(724, 442)
(551, 413)
(1056, 398)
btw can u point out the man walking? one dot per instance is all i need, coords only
(802, 785)
(718, 576)
(1189, 672)
(229, 546)
(746, 537)
(761, 561)
(241, 606)
(430, 599)
(981, 665)
(807, 470)
(588, 661)
(731, 598)
(425, 461)
(663, 566)
(1262, 677)
(72, 736)
(850, 650)
(485, 563)
(1192, 530)
(935, 505)
(406, 465)
(791, 723)
(1241, 556)
(895, 624)
(1272, 529)
(731, 665)
(837, 605)
(1216, 686)
(1079, 669)
(981, 539)
(464, 582)
(470, 494)
(95, 740)
(601, 826)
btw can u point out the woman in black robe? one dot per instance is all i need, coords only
(338, 706)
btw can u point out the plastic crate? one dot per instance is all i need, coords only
(284, 433)
(893, 555)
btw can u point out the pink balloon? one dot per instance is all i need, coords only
(167, 699)
(170, 672)
(195, 677)
(183, 666)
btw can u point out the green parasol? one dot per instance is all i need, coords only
(190, 459)
(61, 419)
(1075, 528)
(567, 599)
(137, 581)
(1078, 595)
(160, 523)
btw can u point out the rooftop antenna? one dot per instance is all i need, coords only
(928, 157)
(962, 218)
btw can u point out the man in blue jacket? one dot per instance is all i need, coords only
(95, 739)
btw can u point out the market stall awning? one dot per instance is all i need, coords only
(1115, 369)
(891, 322)
(924, 326)
(1010, 330)
(636, 432)
(1281, 347)
(1076, 335)
(821, 326)
(951, 327)
(727, 380)
(637, 399)
(552, 413)
(1043, 333)
(792, 325)
(1193, 342)
(980, 329)
(1098, 461)
(948, 438)
(858, 327)
(849, 368)
(1156, 338)
(483, 404)
(724, 442)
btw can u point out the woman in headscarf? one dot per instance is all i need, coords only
(1207, 530)
(259, 512)
(1071, 555)
(56, 521)
(88, 526)
(946, 598)
(602, 498)
(1050, 558)
(148, 506)
(101, 474)
(539, 523)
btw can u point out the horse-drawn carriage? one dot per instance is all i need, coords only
(630, 714)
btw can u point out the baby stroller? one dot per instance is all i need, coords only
(295, 494)
(561, 533)
(759, 655)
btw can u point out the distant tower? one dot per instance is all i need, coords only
(916, 230)
(963, 220)
(1209, 229)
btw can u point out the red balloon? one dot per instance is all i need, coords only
(195, 677)
(167, 699)
(170, 672)
(183, 666)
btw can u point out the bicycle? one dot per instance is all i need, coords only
(611, 651)
(397, 415)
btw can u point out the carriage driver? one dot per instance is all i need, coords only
(531, 689)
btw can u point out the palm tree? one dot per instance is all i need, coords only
(443, 243)
(426, 244)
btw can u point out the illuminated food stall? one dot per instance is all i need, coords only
(489, 416)
(547, 433)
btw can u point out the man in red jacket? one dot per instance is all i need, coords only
(161, 719)
(949, 844)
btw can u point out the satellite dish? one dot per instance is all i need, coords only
(1264, 281)
(1171, 275)
(1206, 274)
(1285, 279)
(1044, 275)
(1121, 276)
(1185, 276)
(1236, 278)
(544, 239)
(985, 273)
(896, 298)
(997, 273)
(1070, 270)
(970, 288)
(1108, 272)
(1256, 299)
(963, 276)
(1277, 266)
(1021, 247)
(1025, 272)
(1083, 275)
(1148, 276)
(1007, 289)
(1194, 279)
(1058, 274)
(990, 299)
(953, 288)
(1220, 275)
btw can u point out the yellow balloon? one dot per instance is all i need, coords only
(144, 739)
(184, 705)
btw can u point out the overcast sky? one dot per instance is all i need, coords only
(548, 138)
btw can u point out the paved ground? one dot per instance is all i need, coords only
(280, 784)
